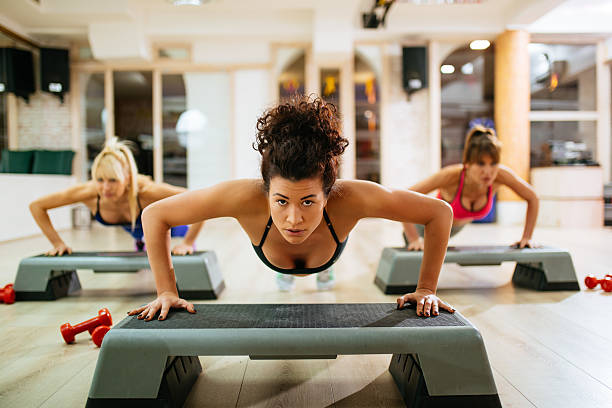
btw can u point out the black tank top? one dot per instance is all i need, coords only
(301, 271)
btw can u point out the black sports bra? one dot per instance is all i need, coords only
(301, 271)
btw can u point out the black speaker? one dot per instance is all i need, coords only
(55, 71)
(414, 68)
(17, 72)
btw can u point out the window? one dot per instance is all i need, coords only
(467, 94)
(367, 115)
(563, 104)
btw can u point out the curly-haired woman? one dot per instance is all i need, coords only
(298, 216)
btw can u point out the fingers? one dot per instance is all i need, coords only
(405, 300)
(144, 312)
(164, 310)
(136, 311)
(446, 306)
(420, 306)
(400, 302)
(427, 306)
(182, 250)
(153, 309)
(189, 306)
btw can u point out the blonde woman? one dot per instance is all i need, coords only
(116, 196)
(469, 188)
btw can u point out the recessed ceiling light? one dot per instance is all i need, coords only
(467, 68)
(440, 2)
(447, 69)
(480, 44)
(186, 2)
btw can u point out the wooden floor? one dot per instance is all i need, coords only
(547, 349)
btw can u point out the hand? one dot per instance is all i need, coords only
(525, 243)
(59, 250)
(164, 302)
(182, 249)
(426, 301)
(417, 245)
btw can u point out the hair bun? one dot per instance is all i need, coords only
(300, 138)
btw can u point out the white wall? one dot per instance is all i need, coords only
(16, 220)
(209, 156)
(251, 98)
(404, 131)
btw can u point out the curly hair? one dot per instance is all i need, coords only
(300, 139)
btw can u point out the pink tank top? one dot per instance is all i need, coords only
(460, 212)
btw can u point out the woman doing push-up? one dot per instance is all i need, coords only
(469, 188)
(116, 196)
(297, 216)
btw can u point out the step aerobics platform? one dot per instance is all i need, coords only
(51, 277)
(542, 268)
(437, 361)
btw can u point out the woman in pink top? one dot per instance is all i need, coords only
(469, 188)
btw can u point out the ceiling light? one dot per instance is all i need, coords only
(440, 2)
(186, 2)
(467, 68)
(447, 69)
(480, 44)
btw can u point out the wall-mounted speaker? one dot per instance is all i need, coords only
(414, 68)
(17, 72)
(55, 71)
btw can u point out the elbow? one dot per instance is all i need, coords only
(34, 206)
(152, 215)
(443, 212)
(446, 211)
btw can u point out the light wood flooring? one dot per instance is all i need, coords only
(547, 349)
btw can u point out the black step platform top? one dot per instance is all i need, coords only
(124, 254)
(483, 249)
(276, 316)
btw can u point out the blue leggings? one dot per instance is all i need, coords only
(138, 234)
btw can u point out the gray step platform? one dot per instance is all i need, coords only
(51, 277)
(542, 268)
(437, 361)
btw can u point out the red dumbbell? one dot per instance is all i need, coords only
(606, 283)
(103, 318)
(98, 334)
(7, 294)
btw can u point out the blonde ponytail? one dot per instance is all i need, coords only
(116, 160)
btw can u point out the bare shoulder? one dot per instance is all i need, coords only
(450, 174)
(244, 196)
(83, 191)
(349, 196)
(144, 183)
(505, 174)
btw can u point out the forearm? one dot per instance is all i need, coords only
(437, 232)
(157, 237)
(410, 231)
(192, 233)
(531, 217)
(44, 223)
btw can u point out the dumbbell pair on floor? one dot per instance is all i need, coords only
(606, 283)
(97, 326)
(7, 294)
